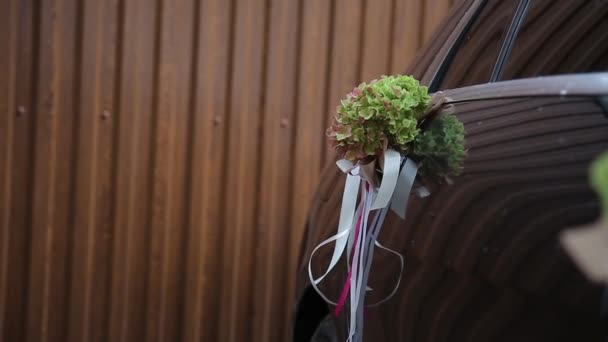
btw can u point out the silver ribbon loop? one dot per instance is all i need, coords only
(404, 185)
(390, 174)
(347, 215)
(394, 190)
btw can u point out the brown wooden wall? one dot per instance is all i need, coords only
(157, 157)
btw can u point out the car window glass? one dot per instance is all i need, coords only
(423, 60)
(560, 38)
(524, 182)
(475, 58)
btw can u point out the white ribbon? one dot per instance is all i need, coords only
(394, 189)
(356, 280)
(347, 214)
(390, 175)
(404, 186)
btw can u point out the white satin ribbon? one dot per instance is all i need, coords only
(394, 190)
(356, 280)
(404, 186)
(390, 174)
(347, 214)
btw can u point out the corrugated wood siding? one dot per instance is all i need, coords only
(157, 158)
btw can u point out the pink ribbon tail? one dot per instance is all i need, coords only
(346, 287)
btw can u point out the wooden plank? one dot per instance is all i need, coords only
(406, 34)
(8, 60)
(106, 162)
(14, 309)
(53, 176)
(345, 57)
(276, 163)
(169, 191)
(132, 180)
(207, 176)
(435, 12)
(377, 39)
(85, 172)
(242, 169)
(309, 138)
(92, 222)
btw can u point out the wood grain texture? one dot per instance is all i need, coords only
(309, 125)
(92, 216)
(407, 18)
(242, 167)
(133, 167)
(277, 160)
(213, 53)
(53, 186)
(8, 41)
(158, 158)
(434, 12)
(377, 39)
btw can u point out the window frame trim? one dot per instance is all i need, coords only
(509, 40)
(437, 68)
(586, 84)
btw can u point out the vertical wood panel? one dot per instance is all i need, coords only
(405, 41)
(309, 121)
(377, 38)
(434, 12)
(92, 221)
(242, 171)
(53, 172)
(158, 158)
(345, 64)
(102, 237)
(8, 43)
(212, 63)
(133, 175)
(14, 311)
(276, 165)
(169, 192)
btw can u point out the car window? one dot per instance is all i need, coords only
(439, 44)
(475, 58)
(560, 37)
(496, 229)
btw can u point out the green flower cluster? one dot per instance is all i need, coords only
(599, 180)
(441, 148)
(382, 113)
(386, 113)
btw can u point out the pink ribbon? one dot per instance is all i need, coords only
(346, 287)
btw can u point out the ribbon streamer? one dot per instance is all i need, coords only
(354, 236)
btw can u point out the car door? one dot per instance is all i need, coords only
(530, 144)
(482, 259)
(483, 262)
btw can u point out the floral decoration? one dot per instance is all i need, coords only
(394, 112)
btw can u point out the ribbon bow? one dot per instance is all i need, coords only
(398, 175)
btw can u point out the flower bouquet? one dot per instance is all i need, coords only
(397, 112)
(386, 133)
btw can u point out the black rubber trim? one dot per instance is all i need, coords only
(434, 84)
(602, 101)
(509, 41)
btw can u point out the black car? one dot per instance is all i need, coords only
(482, 256)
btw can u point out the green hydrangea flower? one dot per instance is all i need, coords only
(382, 113)
(441, 148)
(386, 113)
